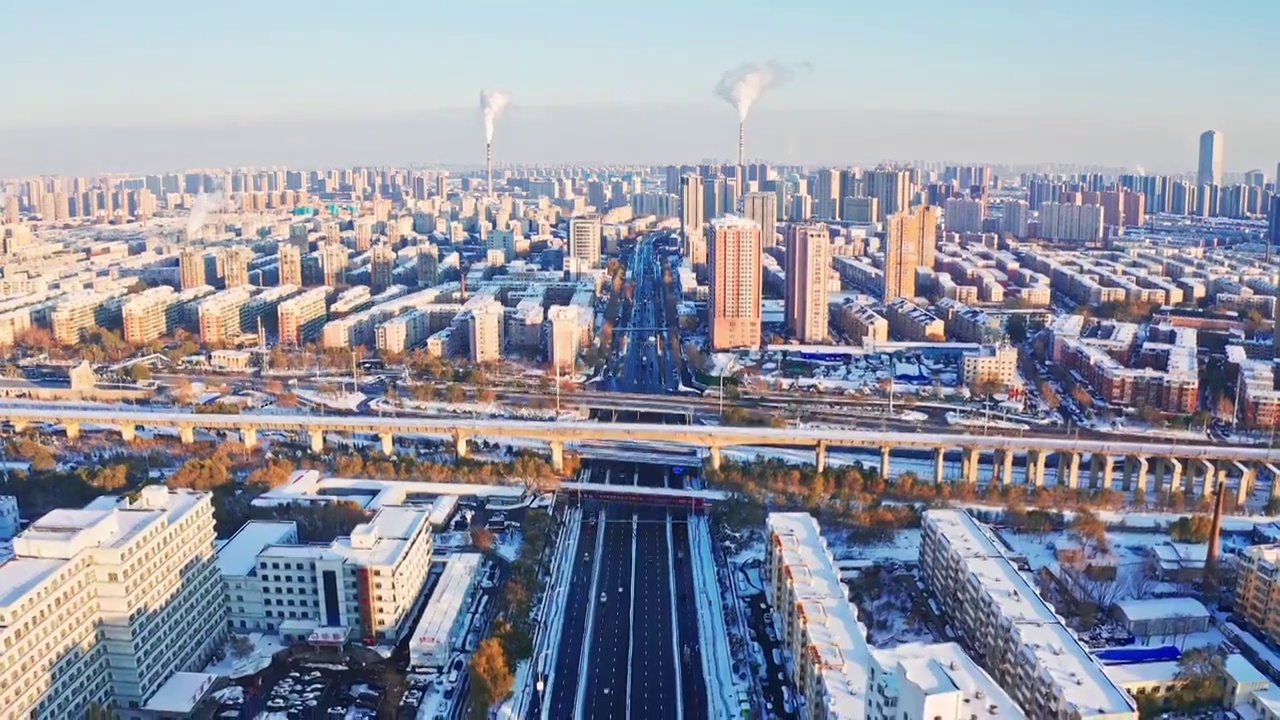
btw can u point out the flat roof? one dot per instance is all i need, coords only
(837, 638)
(1144, 673)
(945, 667)
(1082, 681)
(239, 555)
(1160, 608)
(181, 692)
(442, 609)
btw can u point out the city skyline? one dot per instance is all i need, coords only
(964, 86)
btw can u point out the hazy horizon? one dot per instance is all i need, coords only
(648, 134)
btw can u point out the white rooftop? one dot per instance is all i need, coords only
(838, 640)
(180, 693)
(1056, 651)
(446, 601)
(940, 668)
(238, 556)
(1160, 608)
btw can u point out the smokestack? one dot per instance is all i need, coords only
(742, 144)
(488, 165)
(1210, 580)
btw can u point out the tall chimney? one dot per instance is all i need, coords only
(742, 144)
(488, 165)
(1210, 580)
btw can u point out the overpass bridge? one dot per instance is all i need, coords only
(1172, 466)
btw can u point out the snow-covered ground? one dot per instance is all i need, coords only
(264, 648)
(350, 401)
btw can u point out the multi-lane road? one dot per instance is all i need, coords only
(629, 644)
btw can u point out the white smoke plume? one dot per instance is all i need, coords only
(491, 106)
(743, 85)
(1141, 170)
(204, 205)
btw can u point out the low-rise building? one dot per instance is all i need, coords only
(912, 322)
(1009, 628)
(1162, 617)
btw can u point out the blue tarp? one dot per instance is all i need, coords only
(1136, 655)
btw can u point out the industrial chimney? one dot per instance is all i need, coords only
(1210, 580)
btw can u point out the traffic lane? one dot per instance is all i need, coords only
(569, 655)
(653, 671)
(693, 683)
(606, 694)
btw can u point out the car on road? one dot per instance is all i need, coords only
(603, 597)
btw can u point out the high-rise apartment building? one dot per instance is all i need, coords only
(864, 210)
(235, 266)
(1210, 169)
(808, 266)
(382, 265)
(906, 236)
(801, 207)
(964, 215)
(11, 215)
(301, 318)
(289, 264)
(762, 207)
(156, 311)
(191, 269)
(693, 215)
(1273, 224)
(1076, 223)
(733, 262)
(584, 239)
(1017, 213)
(102, 604)
(485, 326)
(333, 260)
(892, 188)
(428, 265)
(826, 194)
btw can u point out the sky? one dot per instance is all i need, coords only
(90, 86)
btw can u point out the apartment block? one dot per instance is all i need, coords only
(862, 325)
(79, 313)
(837, 674)
(485, 332)
(733, 261)
(157, 311)
(368, 583)
(912, 322)
(1009, 629)
(1258, 589)
(301, 318)
(102, 604)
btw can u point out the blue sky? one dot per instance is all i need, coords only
(1131, 68)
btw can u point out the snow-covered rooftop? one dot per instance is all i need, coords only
(1160, 608)
(440, 616)
(940, 669)
(238, 555)
(180, 693)
(1045, 641)
(837, 640)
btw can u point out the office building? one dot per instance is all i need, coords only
(733, 262)
(366, 585)
(103, 604)
(382, 266)
(762, 207)
(301, 318)
(191, 270)
(289, 264)
(584, 239)
(1001, 619)
(1258, 589)
(1210, 168)
(485, 332)
(910, 240)
(808, 264)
